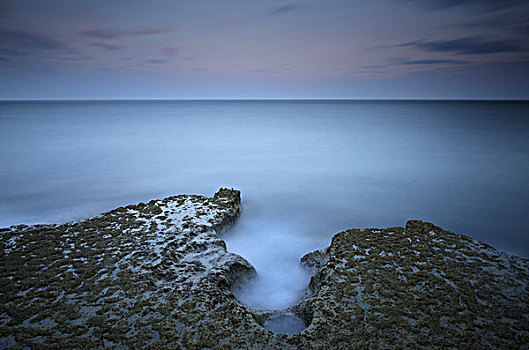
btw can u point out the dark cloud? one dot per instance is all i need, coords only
(157, 61)
(74, 56)
(17, 38)
(484, 5)
(10, 51)
(524, 29)
(514, 22)
(3, 59)
(107, 45)
(499, 21)
(110, 33)
(5, 7)
(22, 43)
(469, 46)
(431, 62)
(284, 9)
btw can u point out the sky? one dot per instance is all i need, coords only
(241, 49)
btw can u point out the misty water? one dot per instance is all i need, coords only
(306, 169)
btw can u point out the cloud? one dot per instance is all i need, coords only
(5, 7)
(23, 43)
(524, 29)
(263, 71)
(285, 9)
(18, 38)
(486, 5)
(107, 45)
(74, 56)
(431, 62)
(157, 61)
(469, 46)
(517, 22)
(110, 33)
(11, 51)
(171, 51)
(3, 59)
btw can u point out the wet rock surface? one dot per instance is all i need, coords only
(156, 275)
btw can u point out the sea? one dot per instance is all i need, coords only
(307, 169)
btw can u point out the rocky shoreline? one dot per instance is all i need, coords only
(156, 275)
(418, 286)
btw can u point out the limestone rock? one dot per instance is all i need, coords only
(156, 275)
(136, 276)
(416, 287)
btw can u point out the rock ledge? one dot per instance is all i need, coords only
(416, 286)
(156, 275)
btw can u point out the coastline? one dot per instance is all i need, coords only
(156, 274)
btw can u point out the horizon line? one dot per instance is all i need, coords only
(267, 99)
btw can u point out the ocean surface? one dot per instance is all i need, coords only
(306, 169)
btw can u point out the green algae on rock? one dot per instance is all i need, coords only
(155, 275)
(417, 286)
(136, 276)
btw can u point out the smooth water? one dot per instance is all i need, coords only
(306, 169)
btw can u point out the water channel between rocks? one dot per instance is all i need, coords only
(274, 246)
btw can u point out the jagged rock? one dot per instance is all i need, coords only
(156, 275)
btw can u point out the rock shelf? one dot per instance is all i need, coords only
(156, 275)
(418, 286)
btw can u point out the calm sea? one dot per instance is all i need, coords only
(306, 169)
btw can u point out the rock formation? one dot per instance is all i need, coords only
(156, 275)
(141, 275)
(417, 286)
